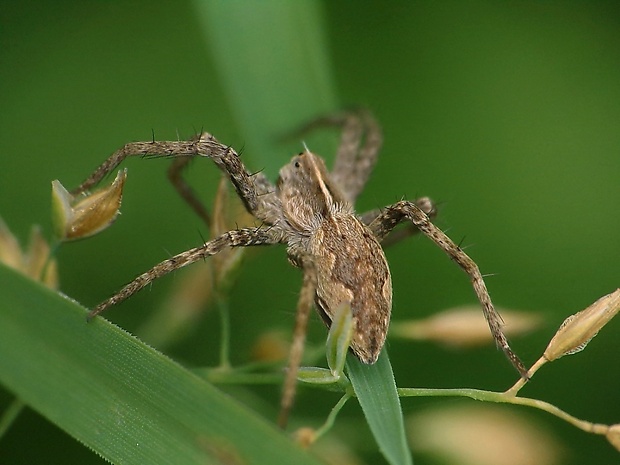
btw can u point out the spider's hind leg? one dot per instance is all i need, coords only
(405, 210)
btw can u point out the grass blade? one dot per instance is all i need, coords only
(121, 398)
(272, 60)
(375, 389)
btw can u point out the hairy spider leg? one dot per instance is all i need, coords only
(304, 307)
(187, 193)
(405, 210)
(396, 235)
(238, 238)
(255, 191)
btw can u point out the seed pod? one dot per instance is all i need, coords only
(613, 436)
(80, 218)
(578, 329)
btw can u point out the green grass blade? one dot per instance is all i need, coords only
(375, 389)
(272, 60)
(121, 398)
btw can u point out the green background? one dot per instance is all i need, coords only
(506, 113)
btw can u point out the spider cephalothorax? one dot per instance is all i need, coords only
(310, 209)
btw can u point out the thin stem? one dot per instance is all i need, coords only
(506, 398)
(10, 415)
(219, 376)
(331, 418)
(596, 428)
(253, 367)
(521, 382)
(222, 306)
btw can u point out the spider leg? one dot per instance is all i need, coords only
(393, 236)
(353, 168)
(304, 306)
(175, 177)
(255, 190)
(360, 141)
(237, 238)
(405, 210)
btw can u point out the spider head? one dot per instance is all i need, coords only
(306, 191)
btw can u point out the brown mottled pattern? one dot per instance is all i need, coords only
(359, 275)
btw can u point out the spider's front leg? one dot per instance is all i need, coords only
(237, 238)
(255, 190)
(394, 214)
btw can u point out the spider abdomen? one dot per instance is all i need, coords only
(351, 269)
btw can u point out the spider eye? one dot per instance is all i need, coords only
(297, 164)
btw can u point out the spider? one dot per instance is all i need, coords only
(310, 209)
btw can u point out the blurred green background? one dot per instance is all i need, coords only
(508, 114)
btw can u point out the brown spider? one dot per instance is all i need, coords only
(311, 210)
